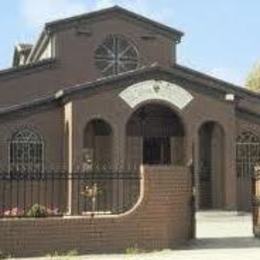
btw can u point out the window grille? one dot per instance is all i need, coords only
(248, 137)
(247, 157)
(116, 55)
(26, 151)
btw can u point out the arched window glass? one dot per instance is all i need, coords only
(26, 151)
(116, 55)
(248, 149)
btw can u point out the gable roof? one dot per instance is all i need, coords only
(51, 27)
(176, 71)
(115, 10)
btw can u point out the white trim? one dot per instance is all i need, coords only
(156, 90)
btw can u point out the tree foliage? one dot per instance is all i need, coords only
(253, 79)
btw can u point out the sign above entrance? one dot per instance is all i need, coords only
(156, 90)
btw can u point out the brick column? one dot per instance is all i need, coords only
(230, 180)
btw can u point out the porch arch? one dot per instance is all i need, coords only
(155, 136)
(97, 144)
(211, 165)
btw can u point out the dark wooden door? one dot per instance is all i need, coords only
(156, 150)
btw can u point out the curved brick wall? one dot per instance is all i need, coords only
(161, 220)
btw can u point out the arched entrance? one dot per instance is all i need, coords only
(155, 136)
(211, 166)
(98, 144)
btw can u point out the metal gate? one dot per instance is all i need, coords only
(256, 201)
(247, 156)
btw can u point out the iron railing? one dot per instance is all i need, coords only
(60, 193)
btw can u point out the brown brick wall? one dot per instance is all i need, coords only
(161, 220)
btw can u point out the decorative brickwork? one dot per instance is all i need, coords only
(161, 219)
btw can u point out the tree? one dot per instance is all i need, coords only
(253, 79)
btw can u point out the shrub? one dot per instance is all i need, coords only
(37, 211)
(4, 256)
(66, 255)
(134, 250)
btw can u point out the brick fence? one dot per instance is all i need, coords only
(160, 219)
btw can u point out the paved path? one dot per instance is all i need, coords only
(221, 236)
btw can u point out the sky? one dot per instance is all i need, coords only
(222, 38)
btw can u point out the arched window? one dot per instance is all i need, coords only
(247, 156)
(248, 151)
(26, 150)
(116, 55)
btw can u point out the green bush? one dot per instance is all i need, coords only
(37, 211)
(4, 256)
(63, 256)
(134, 250)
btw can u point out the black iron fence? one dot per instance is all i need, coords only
(60, 193)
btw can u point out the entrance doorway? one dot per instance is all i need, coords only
(211, 166)
(156, 150)
(155, 136)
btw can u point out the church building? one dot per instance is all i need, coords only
(105, 90)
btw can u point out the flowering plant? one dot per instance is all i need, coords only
(53, 211)
(36, 211)
(14, 212)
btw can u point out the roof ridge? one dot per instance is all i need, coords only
(53, 24)
(217, 80)
(25, 67)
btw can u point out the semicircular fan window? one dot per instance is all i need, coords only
(116, 55)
